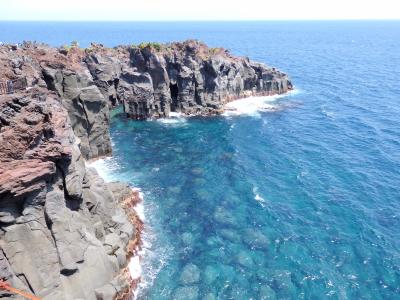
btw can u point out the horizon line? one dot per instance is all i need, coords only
(202, 20)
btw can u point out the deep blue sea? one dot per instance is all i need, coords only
(302, 202)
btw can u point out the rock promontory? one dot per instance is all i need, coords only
(150, 80)
(192, 78)
(64, 232)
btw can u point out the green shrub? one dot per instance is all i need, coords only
(152, 45)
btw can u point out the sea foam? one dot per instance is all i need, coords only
(258, 198)
(174, 118)
(252, 106)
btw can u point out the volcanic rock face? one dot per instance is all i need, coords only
(87, 107)
(151, 80)
(63, 234)
(194, 79)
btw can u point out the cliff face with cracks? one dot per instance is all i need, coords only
(64, 232)
(192, 78)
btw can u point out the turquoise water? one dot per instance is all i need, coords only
(299, 203)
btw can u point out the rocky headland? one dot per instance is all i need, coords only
(64, 232)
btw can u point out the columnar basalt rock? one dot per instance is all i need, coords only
(105, 71)
(87, 108)
(138, 93)
(191, 78)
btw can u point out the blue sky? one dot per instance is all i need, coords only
(150, 10)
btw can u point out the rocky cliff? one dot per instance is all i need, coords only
(192, 78)
(150, 80)
(64, 232)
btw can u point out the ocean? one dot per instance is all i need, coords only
(297, 197)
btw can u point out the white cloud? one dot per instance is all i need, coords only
(136, 10)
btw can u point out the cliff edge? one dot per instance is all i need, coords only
(64, 232)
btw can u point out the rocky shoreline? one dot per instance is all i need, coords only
(64, 232)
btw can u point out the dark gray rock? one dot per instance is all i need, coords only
(105, 71)
(137, 91)
(191, 78)
(87, 108)
(63, 233)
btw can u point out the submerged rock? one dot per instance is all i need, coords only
(187, 238)
(254, 238)
(224, 216)
(210, 274)
(266, 293)
(209, 296)
(186, 293)
(282, 279)
(230, 235)
(190, 274)
(244, 259)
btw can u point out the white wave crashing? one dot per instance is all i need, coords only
(249, 106)
(174, 118)
(135, 268)
(104, 167)
(154, 256)
(252, 106)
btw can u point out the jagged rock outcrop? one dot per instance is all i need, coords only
(63, 233)
(69, 77)
(150, 80)
(87, 107)
(191, 78)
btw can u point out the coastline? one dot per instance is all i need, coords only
(64, 104)
(267, 198)
(133, 208)
(133, 270)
